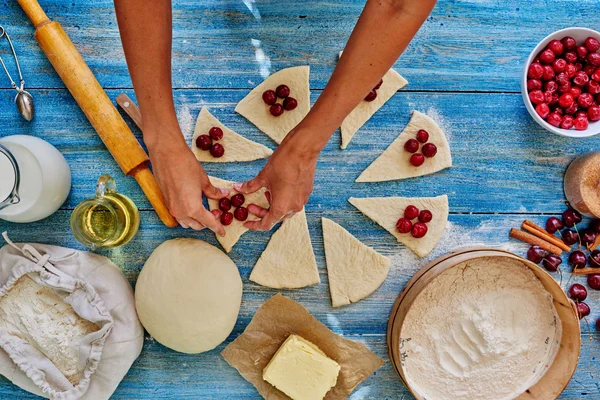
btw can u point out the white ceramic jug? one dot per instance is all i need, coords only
(35, 179)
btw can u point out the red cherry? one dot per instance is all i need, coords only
(583, 310)
(226, 218)
(593, 87)
(595, 259)
(216, 133)
(237, 200)
(562, 79)
(582, 52)
(417, 160)
(241, 213)
(203, 142)
(566, 88)
(282, 91)
(596, 75)
(536, 254)
(595, 225)
(558, 110)
(425, 216)
(411, 212)
(569, 43)
(403, 225)
(570, 71)
(577, 259)
(269, 97)
(423, 136)
(429, 150)
(582, 114)
(571, 57)
(572, 110)
(565, 100)
(577, 292)
(418, 230)
(547, 57)
(581, 123)
(585, 100)
(371, 96)
(378, 84)
(556, 47)
(589, 69)
(554, 119)
(411, 145)
(534, 84)
(593, 281)
(276, 110)
(575, 91)
(548, 73)
(592, 44)
(567, 122)
(224, 204)
(579, 66)
(594, 59)
(594, 113)
(581, 79)
(217, 150)
(551, 86)
(289, 103)
(542, 110)
(535, 71)
(537, 97)
(551, 262)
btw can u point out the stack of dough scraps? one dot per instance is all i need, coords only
(288, 262)
(354, 269)
(387, 210)
(237, 147)
(254, 109)
(394, 162)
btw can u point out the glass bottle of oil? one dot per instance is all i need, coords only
(108, 220)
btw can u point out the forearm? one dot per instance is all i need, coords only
(383, 31)
(146, 33)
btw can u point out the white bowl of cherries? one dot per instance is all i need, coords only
(561, 82)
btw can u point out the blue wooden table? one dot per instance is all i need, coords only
(463, 67)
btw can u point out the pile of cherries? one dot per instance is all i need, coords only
(283, 92)
(418, 229)
(236, 201)
(205, 142)
(564, 83)
(428, 150)
(373, 93)
(567, 228)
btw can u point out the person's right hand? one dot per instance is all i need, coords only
(183, 181)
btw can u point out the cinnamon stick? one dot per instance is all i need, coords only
(594, 246)
(543, 234)
(534, 241)
(586, 271)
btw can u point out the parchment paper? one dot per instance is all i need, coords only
(278, 318)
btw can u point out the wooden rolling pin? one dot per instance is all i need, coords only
(96, 105)
(582, 184)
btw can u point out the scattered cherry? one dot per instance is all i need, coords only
(411, 145)
(276, 110)
(595, 225)
(224, 204)
(217, 150)
(203, 142)
(425, 216)
(587, 236)
(429, 150)
(411, 212)
(583, 310)
(417, 160)
(536, 254)
(378, 84)
(578, 292)
(241, 213)
(269, 97)
(594, 281)
(237, 200)
(372, 95)
(551, 262)
(404, 225)
(570, 237)
(577, 259)
(282, 91)
(569, 218)
(290, 103)
(423, 135)
(553, 224)
(595, 258)
(418, 230)
(226, 218)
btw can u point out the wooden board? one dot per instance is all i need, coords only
(464, 68)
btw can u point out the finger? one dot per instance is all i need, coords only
(268, 196)
(259, 211)
(183, 224)
(212, 192)
(195, 225)
(267, 223)
(250, 186)
(209, 220)
(216, 213)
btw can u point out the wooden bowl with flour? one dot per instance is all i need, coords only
(483, 323)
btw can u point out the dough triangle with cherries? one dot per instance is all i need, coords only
(288, 262)
(237, 147)
(237, 228)
(394, 162)
(386, 211)
(392, 82)
(355, 270)
(254, 109)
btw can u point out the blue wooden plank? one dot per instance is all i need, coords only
(464, 45)
(503, 161)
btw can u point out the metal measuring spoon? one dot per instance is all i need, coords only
(23, 100)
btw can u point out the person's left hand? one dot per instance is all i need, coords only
(288, 177)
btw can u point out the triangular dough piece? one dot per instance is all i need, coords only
(254, 109)
(288, 262)
(237, 147)
(237, 228)
(392, 82)
(394, 162)
(386, 211)
(355, 270)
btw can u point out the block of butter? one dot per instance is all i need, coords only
(301, 370)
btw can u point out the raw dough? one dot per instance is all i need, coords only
(392, 82)
(237, 147)
(394, 163)
(237, 228)
(188, 295)
(253, 108)
(355, 270)
(386, 211)
(288, 262)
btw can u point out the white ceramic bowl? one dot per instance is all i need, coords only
(579, 34)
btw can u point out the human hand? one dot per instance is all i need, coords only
(288, 177)
(183, 181)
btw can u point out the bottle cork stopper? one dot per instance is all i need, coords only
(582, 184)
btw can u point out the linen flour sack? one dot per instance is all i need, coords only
(68, 326)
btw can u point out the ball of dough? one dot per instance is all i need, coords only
(188, 295)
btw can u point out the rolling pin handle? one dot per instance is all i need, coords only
(34, 11)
